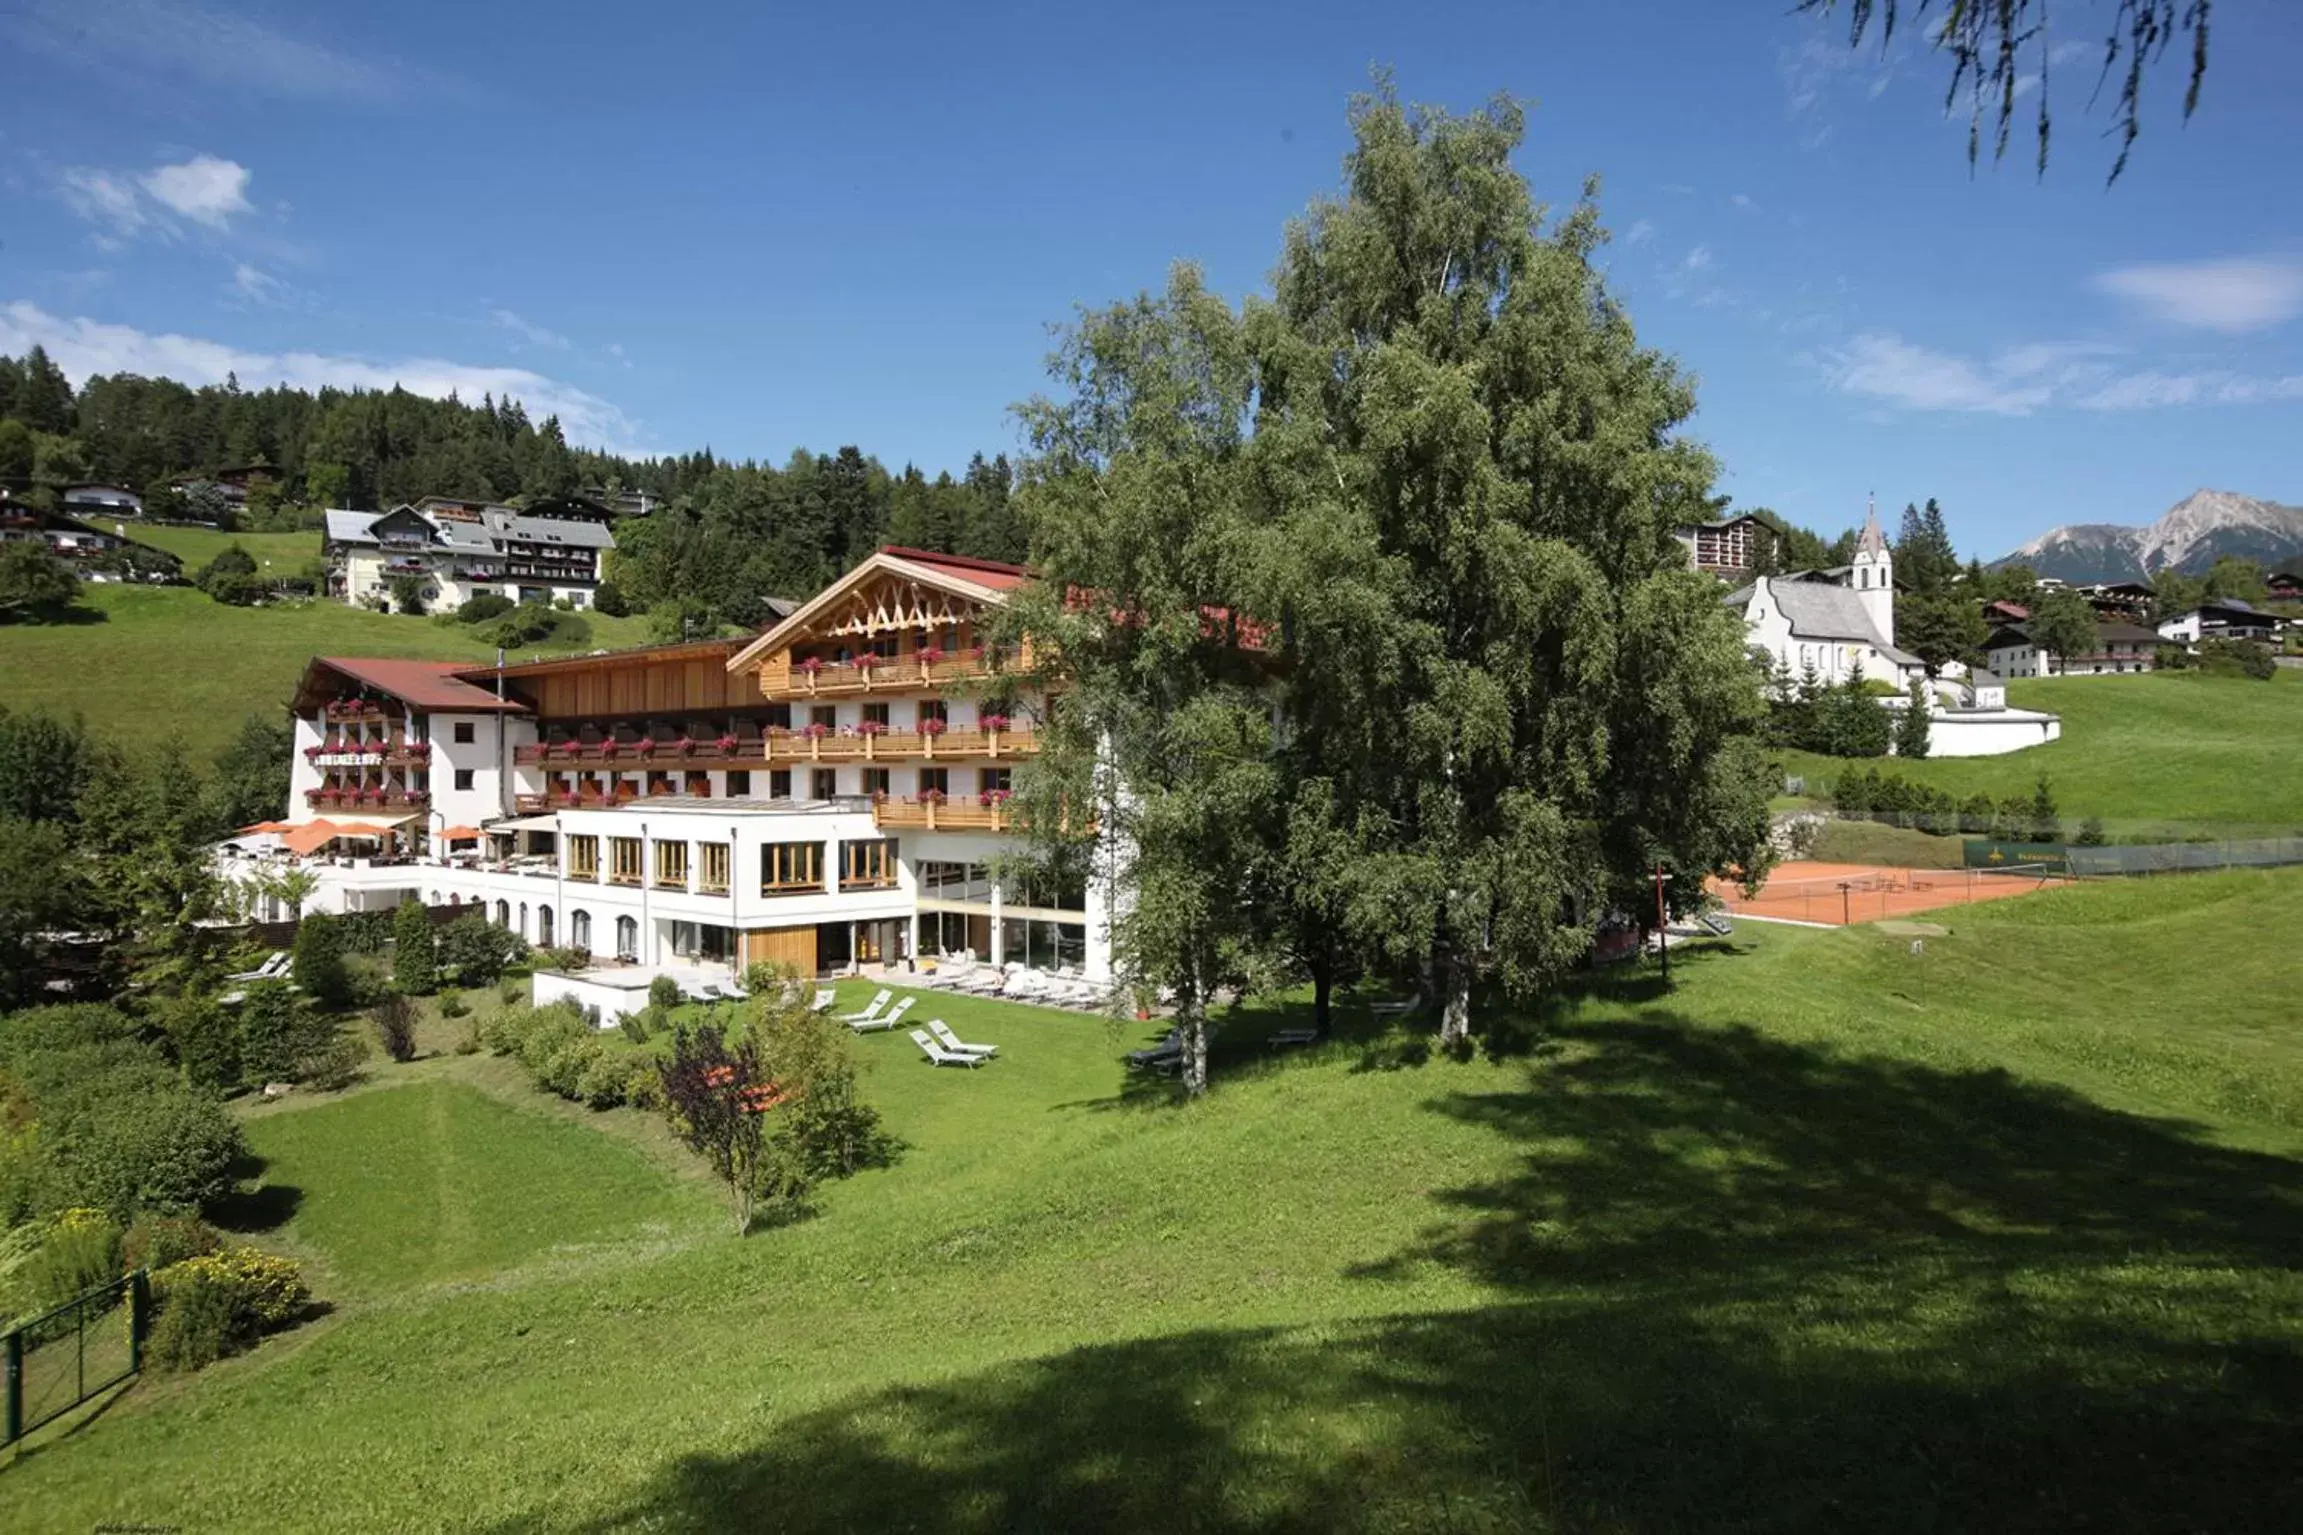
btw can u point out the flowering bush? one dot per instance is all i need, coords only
(933, 725)
(215, 1303)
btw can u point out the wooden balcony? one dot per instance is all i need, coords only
(796, 746)
(355, 799)
(951, 815)
(781, 678)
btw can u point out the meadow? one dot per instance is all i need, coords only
(151, 660)
(1827, 1236)
(2163, 753)
(275, 554)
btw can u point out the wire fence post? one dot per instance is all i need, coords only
(139, 1317)
(12, 1428)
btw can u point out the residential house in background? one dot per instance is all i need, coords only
(1731, 545)
(2283, 586)
(461, 549)
(102, 500)
(2119, 647)
(2129, 601)
(2226, 619)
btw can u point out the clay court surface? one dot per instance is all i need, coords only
(1835, 894)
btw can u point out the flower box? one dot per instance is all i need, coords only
(727, 746)
(812, 665)
(992, 797)
(814, 730)
(929, 655)
(567, 749)
(611, 749)
(931, 796)
(994, 722)
(647, 747)
(933, 725)
(867, 661)
(871, 728)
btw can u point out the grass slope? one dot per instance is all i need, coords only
(1814, 1241)
(277, 554)
(168, 658)
(2166, 751)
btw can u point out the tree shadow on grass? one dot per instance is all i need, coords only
(1743, 1285)
(253, 1205)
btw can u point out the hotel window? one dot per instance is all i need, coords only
(464, 733)
(779, 783)
(995, 780)
(883, 646)
(875, 780)
(583, 858)
(623, 860)
(712, 868)
(876, 714)
(779, 716)
(791, 866)
(464, 778)
(936, 781)
(740, 783)
(823, 783)
(868, 865)
(826, 715)
(671, 865)
(934, 709)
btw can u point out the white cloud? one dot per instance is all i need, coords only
(83, 347)
(1697, 260)
(1640, 232)
(529, 331)
(2016, 381)
(204, 189)
(1744, 204)
(2234, 295)
(253, 285)
(105, 200)
(161, 39)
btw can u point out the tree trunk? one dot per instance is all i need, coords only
(1454, 977)
(1322, 991)
(1191, 1018)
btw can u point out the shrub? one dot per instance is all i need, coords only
(605, 1080)
(477, 950)
(156, 1241)
(79, 1249)
(513, 991)
(217, 1303)
(408, 594)
(273, 1030)
(206, 1039)
(570, 958)
(664, 993)
(1913, 724)
(453, 1006)
(609, 601)
(415, 958)
(331, 1059)
(485, 606)
(2238, 658)
(230, 578)
(2091, 832)
(166, 1148)
(635, 1026)
(318, 963)
(395, 1021)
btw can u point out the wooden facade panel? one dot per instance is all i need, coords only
(792, 946)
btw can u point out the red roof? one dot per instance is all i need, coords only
(431, 685)
(997, 574)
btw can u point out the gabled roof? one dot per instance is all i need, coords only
(1819, 612)
(983, 581)
(697, 650)
(428, 685)
(2105, 633)
(347, 527)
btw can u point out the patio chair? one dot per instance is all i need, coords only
(1280, 1039)
(939, 1056)
(823, 1001)
(871, 1012)
(885, 1021)
(952, 1042)
(1170, 1048)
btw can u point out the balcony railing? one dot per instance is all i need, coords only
(362, 799)
(782, 677)
(950, 815)
(793, 746)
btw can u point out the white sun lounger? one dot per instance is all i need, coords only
(939, 1055)
(952, 1042)
(886, 1020)
(823, 1002)
(869, 1013)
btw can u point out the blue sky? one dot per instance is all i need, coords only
(766, 226)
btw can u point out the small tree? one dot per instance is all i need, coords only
(1911, 727)
(318, 964)
(476, 950)
(395, 1021)
(2063, 625)
(230, 578)
(274, 1031)
(35, 586)
(714, 1095)
(415, 959)
(608, 601)
(408, 593)
(2046, 825)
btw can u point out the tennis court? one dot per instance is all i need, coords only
(1837, 894)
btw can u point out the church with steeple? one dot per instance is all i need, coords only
(1837, 623)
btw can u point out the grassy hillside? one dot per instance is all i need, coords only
(2167, 751)
(167, 658)
(275, 554)
(1813, 1241)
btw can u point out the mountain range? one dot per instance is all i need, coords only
(2198, 530)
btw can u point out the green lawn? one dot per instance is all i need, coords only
(1816, 1241)
(275, 554)
(2165, 752)
(168, 658)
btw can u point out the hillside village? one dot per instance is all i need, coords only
(1337, 941)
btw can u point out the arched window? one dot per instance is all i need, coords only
(627, 938)
(503, 914)
(580, 929)
(544, 926)
(523, 928)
